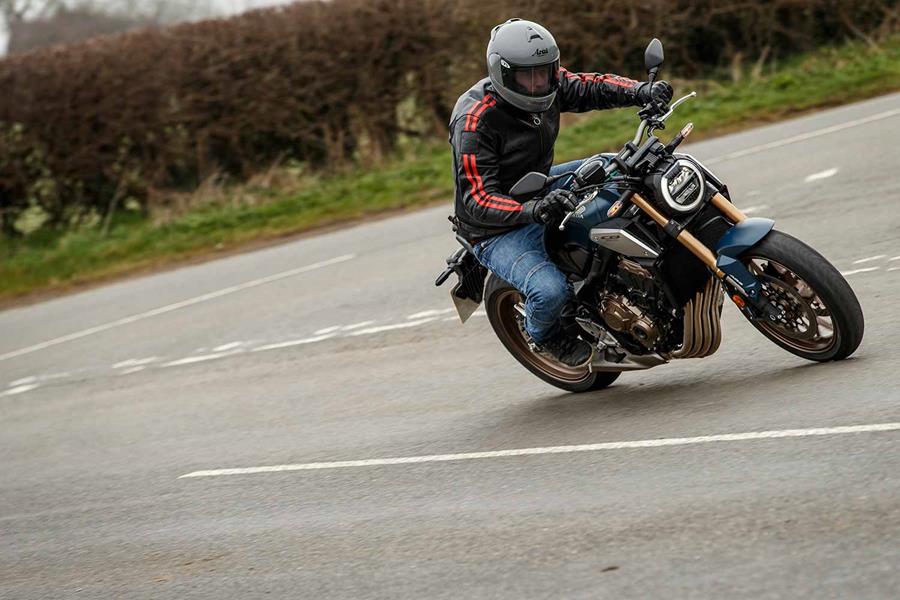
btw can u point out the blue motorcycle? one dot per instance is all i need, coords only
(653, 247)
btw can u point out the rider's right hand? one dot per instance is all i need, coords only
(552, 207)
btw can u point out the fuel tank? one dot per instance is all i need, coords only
(571, 249)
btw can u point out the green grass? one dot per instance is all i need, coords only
(44, 262)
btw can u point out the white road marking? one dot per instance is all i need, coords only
(196, 359)
(752, 209)
(855, 271)
(133, 370)
(135, 362)
(894, 258)
(894, 269)
(804, 136)
(20, 389)
(356, 325)
(290, 343)
(657, 443)
(331, 329)
(820, 175)
(23, 381)
(450, 319)
(868, 259)
(381, 328)
(175, 306)
(229, 346)
(431, 313)
(479, 313)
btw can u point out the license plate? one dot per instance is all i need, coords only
(464, 306)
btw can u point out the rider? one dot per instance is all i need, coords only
(504, 127)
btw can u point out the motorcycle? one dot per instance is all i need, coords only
(652, 249)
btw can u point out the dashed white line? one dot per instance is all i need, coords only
(23, 381)
(629, 445)
(331, 329)
(855, 271)
(894, 269)
(21, 389)
(356, 325)
(133, 370)
(430, 313)
(290, 343)
(175, 306)
(805, 136)
(381, 328)
(135, 362)
(868, 259)
(820, 175)
(196, 359)
(228, 346)
(892, 259)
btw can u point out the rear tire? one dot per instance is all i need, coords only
(818, 297)
(500, 301)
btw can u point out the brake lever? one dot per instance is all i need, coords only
(582, 204)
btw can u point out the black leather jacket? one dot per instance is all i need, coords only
(495, 144)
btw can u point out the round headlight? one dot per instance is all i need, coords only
(683, 186)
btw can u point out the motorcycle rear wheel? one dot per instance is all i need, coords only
(823, 319)
(500, 304)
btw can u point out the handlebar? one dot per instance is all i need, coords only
(642, 128)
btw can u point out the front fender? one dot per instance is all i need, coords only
(742, 236)
(736, 240)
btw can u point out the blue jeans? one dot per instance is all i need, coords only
(520, 259)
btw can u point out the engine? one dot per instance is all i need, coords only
(630, 307)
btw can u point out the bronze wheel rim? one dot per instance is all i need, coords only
(807, 324)
(511, 330)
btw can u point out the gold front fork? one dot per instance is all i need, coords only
(690, 242)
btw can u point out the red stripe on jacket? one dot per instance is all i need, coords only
(478, 192)
(475, 112)
(596, 77)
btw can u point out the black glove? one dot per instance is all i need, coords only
(552, 207)
(660, 93)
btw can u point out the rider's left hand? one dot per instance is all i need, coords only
(660, 93)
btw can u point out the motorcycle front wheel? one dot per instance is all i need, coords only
(503, 306)
(822, 319)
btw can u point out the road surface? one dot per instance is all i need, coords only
(325, 356)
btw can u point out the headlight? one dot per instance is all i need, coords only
(683, 186)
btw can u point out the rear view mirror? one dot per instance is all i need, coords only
(653, 57)
(530, 182)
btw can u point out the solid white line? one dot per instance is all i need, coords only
(20, 389)
(381, 328)
(855, 271)
(407, 460)
(290, 343)
(804, 136)
(868, 259)
(177, 305)
(820, 175)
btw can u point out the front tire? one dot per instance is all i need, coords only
(500, 304)
(824, 320)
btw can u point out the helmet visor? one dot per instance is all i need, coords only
(535, 81)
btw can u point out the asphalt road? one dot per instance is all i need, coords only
(339, 348)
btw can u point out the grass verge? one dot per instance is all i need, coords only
(41, 263)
